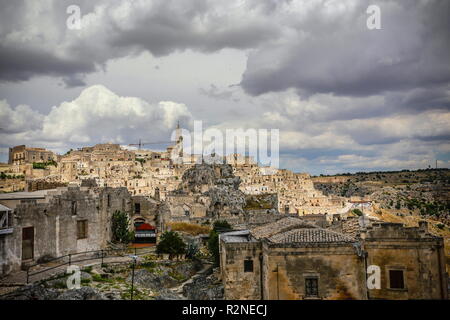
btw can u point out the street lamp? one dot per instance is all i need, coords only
(132, 273)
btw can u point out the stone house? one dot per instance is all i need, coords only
(58, 222)
(293, 259)
(22, 154)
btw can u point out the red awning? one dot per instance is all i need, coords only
(145, 226)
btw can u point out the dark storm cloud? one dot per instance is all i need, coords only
(314, 47)
(18, 64)
(36, 40)
(341, 56)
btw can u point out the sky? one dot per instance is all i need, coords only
(344, 97)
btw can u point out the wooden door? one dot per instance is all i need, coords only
(27, 243)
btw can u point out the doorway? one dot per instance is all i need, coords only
(28, 243)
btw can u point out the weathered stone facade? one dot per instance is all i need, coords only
(22, 154)
(66, 220)
(293, 259)
(419, 256)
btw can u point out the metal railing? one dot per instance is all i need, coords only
(72, 258)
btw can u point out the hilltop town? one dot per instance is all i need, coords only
(317, 233)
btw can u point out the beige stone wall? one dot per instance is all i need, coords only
(148, 209)
(421, 262)
(339, 270)
(413, 250)
(237, 283)
(55, 225)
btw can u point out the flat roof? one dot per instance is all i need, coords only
(236, 236)
(40, 194)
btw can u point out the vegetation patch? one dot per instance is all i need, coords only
(190, 228)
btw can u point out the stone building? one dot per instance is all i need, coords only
(145, 209)
(296, 192)
(293, 259)
(146, 173)
(53, 223)
(22, 154)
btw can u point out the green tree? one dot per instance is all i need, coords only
(213, 246)
(171, 243)
(120, 227)
(213, 241)
(221, 226)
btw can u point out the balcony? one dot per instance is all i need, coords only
(5, 220)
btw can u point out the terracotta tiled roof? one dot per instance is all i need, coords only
(309, 235)
(282, 225)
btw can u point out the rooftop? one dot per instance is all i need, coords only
(281, 225)
(236, 236)
(25, 195)
(309, 235)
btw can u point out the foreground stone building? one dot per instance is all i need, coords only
(293, 259)
(53, 223)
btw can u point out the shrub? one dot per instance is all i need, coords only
(142, 161)
(221, 225)
(171, 243)
(213, 241)
(213, 246)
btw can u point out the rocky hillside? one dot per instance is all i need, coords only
(219, 184)
(423, 192)
(153, 280)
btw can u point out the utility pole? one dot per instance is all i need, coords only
(132, 275)
(278, 285)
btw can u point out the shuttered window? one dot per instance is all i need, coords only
(311, 287)
(82, 229)
(248, 265)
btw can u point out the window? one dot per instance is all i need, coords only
(312, 287)
(248, 265)
(73, 208)
(82, 229)
(396, 280)
(109, 200)
(137, 208)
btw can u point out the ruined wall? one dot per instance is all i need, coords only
(55, 222)
(148, 209)
(339, 270)
(9, 259)
(41, 217)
